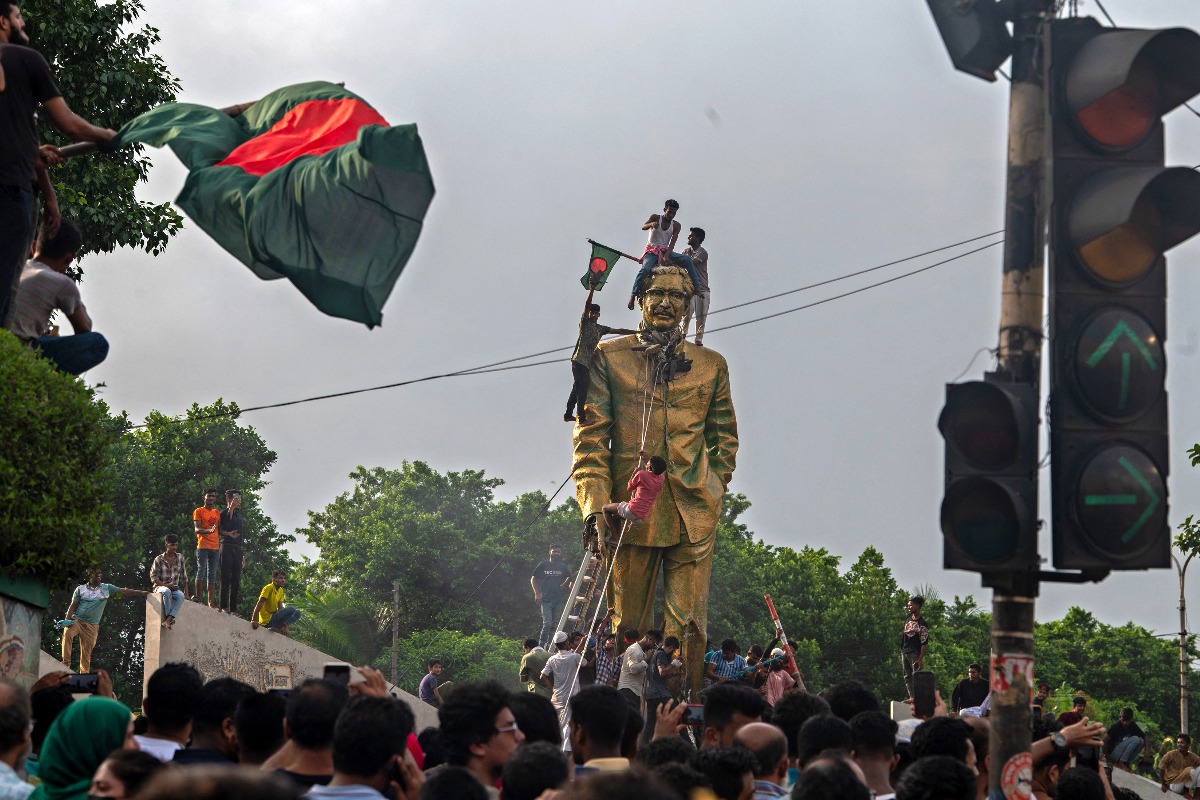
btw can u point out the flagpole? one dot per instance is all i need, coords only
(618, 252)
(87, 148)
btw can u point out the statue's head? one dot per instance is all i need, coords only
(666, 294)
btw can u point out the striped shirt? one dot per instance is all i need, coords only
(163, 574)
(727, 669)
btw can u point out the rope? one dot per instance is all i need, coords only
(654, 377)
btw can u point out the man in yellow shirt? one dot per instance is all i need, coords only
(1179, 770)
(269, 611)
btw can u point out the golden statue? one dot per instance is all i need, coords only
(656, 392)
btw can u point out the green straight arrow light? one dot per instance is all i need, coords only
(1119, 330)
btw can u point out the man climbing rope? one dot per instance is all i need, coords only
(660, 249)
(645, 485)
(656, 392)
(590, 333)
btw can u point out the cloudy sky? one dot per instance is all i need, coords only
(810, 140)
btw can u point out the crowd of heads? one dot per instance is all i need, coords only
(223, 738)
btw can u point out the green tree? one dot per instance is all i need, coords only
(465, 657)
(342, 625)
(108, 74)
(462, 558)
(55, 472)
(161, 471)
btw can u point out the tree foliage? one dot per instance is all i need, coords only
(108, 74)
(54, 469)
(461, 557)
(161, 471)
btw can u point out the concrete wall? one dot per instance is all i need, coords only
(219, 645)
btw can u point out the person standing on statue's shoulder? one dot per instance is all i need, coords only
(660, 249)
(549, 580)
(232, 557)
(691, 422)
(914, 638)
(699, 306)
(207, 519)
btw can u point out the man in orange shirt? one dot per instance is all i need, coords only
(208, 545)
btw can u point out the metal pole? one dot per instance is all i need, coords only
(1019, 355)
(395, 624)
(1183, 671)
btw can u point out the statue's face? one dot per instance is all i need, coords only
(664, 302)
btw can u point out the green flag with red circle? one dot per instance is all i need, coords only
(599, 266)
(310, 184)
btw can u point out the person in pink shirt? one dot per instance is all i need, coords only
(645, 485)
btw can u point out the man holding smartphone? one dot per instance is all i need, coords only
(84, 613)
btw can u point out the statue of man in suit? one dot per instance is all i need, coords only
(679, 392)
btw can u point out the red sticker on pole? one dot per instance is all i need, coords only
(1016, 779)
(1008, 669)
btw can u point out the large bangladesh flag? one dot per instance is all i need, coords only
(599, 265)
(310, 184)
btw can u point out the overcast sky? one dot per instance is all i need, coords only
(810, 140)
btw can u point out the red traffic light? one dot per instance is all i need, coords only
(1122, 81)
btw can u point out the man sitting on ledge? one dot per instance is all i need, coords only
(270, 611)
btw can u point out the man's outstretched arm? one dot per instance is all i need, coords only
(74, 126)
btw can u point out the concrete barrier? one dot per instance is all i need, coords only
(220, 644)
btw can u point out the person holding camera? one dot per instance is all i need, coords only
(83, 617)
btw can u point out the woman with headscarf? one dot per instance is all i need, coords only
(78, 742)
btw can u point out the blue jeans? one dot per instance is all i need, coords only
(74, 354)
(1125, 752)
(206, 566)
(284, 616)
(551, 611)
(650, 261)
(17, 209)
(172, 601)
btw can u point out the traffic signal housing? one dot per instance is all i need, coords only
(989, 511)
(1114, 210)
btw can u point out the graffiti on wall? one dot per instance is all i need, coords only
(20, 637)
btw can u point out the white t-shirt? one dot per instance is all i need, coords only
(633, 669)
(563, 667)
(162, 749)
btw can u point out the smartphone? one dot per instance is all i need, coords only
(923, 700)
(693, 714)
(338, 672)
(284, 693)
(1088, 757)
(87, 683)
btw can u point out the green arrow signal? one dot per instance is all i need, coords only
(1119, 330)
(1127, 499)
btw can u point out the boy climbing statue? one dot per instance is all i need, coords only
(660, 248)
(645, 485)
(590, 333)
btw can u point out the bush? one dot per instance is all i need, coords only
(53, 469)
(464, 658)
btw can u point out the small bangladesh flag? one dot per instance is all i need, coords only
(310, 183)
(600, 265)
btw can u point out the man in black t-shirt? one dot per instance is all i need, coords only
(1123, 741)
(26, 81)
(913, 641)
(549, 580)
(971, 691)
(232, 556)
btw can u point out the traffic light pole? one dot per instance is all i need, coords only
(1021, 311)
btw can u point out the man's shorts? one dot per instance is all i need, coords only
(624, 513)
